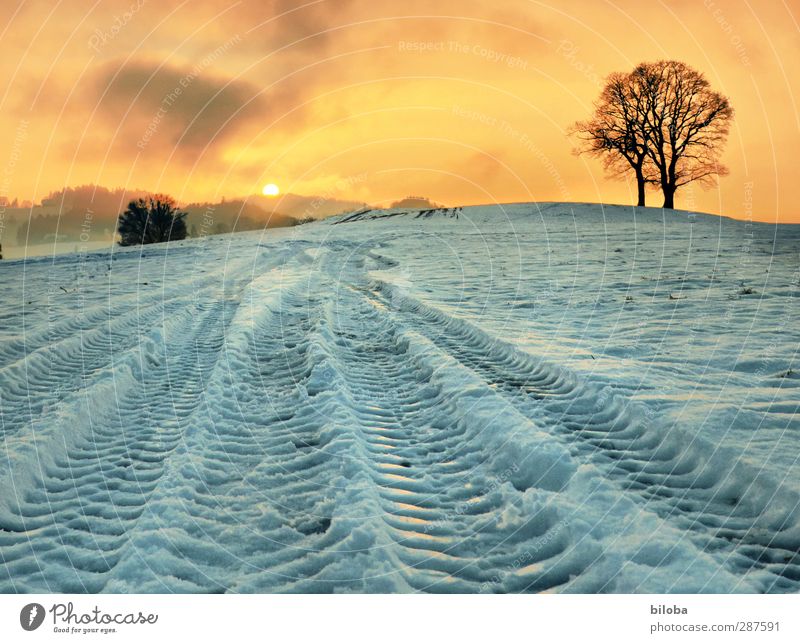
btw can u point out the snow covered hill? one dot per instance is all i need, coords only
(533, 397)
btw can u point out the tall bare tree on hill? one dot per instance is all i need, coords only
(664, 122)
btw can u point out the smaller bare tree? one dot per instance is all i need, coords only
(616, 133)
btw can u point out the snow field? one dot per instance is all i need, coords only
(403, 403)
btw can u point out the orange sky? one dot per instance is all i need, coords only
(463, 102)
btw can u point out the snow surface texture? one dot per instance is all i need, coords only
(539, 397)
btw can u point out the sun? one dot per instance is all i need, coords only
(270, 189)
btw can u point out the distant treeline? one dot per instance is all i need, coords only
(89, 213)
(231, 216)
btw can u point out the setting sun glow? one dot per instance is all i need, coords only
(462, 101)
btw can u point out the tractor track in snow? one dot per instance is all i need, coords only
(308, 428)
(665, 467)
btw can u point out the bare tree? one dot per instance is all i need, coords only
(687, 124)
(664, 122)
(616, 132)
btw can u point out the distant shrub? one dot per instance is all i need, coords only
(154, 219)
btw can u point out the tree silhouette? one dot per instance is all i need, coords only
(663, 122)
(616, 132)
(687, 124)
(151, 220)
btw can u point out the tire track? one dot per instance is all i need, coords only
(65, 530)
(755, 533)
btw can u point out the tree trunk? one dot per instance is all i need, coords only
(669, 196)
(640, 189)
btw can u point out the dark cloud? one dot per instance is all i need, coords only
(298, 25)
(184, 108)
(297, 19)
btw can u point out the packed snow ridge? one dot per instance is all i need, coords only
(523, 398)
